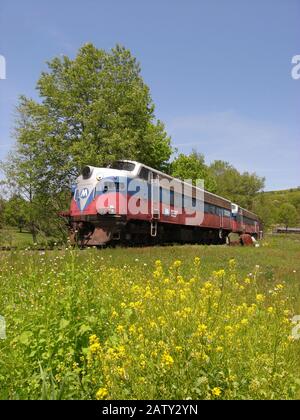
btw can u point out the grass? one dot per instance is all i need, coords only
(202, 322)
(10, 237)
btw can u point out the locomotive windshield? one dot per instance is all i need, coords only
(123, 166)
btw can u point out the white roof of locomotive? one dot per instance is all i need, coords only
(171, 177)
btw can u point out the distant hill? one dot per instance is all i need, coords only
(267, 205)
(291, 195)
(289, 190)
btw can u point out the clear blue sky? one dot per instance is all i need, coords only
(219, 71)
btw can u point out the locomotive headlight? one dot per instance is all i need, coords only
(111, 210)
(98, 177)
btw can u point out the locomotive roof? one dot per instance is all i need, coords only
(246, 212)
(171, 177)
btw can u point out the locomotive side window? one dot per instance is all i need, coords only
(249, 221)
(172, 196)
(113, 186)
(211, 209)
(144, 174)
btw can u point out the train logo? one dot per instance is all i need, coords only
(84, 193)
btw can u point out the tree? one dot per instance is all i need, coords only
(193, 167)
(287, 215)
(240, 188)
(2, 208)
(16, 212)
(93, 110)
(264, 207)
(24, 181)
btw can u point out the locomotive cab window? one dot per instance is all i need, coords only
(123, 166)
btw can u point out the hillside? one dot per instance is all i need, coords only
(267, 205)
(291, 196)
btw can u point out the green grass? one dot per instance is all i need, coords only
(151, 322)
(11, 237)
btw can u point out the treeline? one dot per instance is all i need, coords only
(279, 207)
(95, 109)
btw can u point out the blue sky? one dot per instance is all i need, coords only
(219, 71)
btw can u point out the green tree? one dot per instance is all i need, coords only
(264, 207)
(287, 215)
(193, 167)
(2, 208)
(16, 212)
(93, 109)
(241, 188)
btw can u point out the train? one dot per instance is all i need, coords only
(131, 203)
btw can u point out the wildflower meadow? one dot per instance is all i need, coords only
(174, 322)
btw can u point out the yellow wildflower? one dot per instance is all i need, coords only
(260, 298)
(197, 261)
(201, 330)
(177, 264)
(232, 263)
(93, 339)
(167, 360)
(219, 274)
(120, 329)
(95, 348)
(114, 314)
(216, 391)
(121, 372)
(207, 285)
(101, 393)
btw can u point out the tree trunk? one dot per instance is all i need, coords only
(33, 233)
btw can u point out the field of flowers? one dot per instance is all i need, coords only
(181, 322)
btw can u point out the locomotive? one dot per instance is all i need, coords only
(129, 202)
